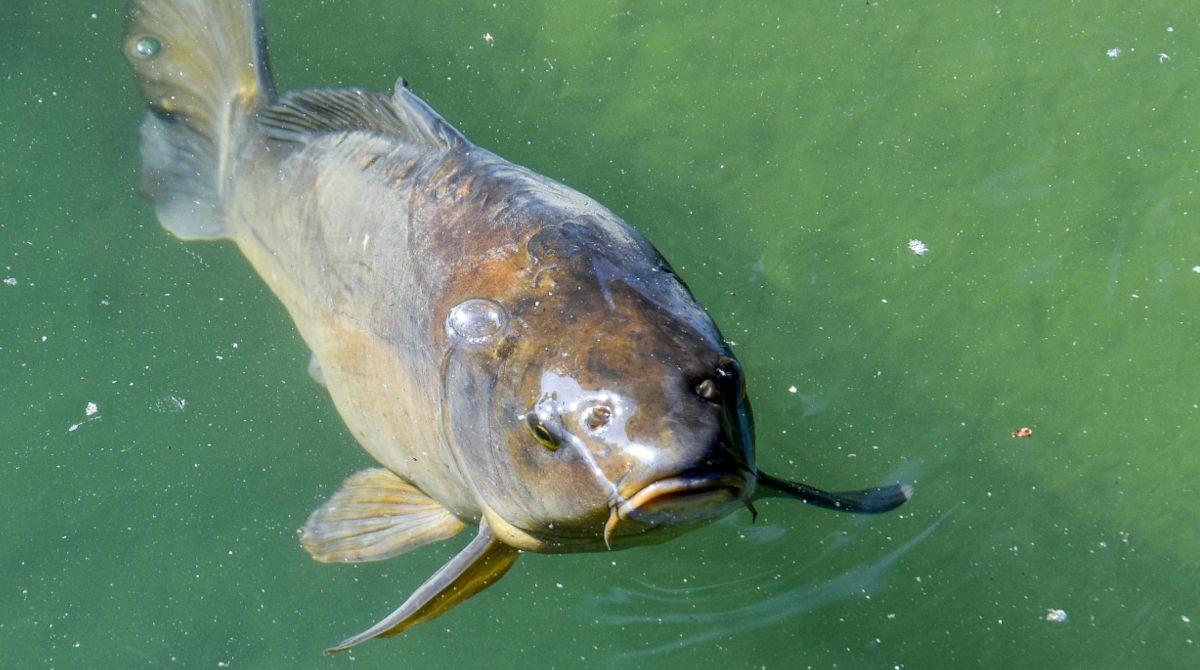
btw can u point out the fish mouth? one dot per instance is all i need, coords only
(678, 501)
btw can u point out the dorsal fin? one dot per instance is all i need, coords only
(298, 115)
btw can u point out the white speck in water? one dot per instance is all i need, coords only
(1113, 52)
(487, 37)
(1162, 58)
(884, 301)
(792, 389)
(1170, 29)
(10, 281)
(1056, 615)
(90, 409)
(1185, 618)
(918, 247)
(1196, 269)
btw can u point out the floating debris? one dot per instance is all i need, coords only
(1056, 615)
(1113, 52)
(170, 404)
(1024, 431)
(918, 247)
(90, 412)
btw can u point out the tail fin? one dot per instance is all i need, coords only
(202, 68)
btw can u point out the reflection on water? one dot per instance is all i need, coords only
(712, 610)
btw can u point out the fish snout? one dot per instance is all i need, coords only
(678, 502)
(685, 499)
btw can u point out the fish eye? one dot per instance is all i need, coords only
(707, 389)
(540, 432)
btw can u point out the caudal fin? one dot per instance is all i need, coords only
(202, 67)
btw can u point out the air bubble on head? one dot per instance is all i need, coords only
(477, 321)
(147, 48)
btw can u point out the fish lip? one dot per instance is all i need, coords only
(691, 490)
(679, 502)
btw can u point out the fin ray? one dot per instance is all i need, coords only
(479, 565)
(373, 516)
(299, 115)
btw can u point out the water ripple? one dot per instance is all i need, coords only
(710, 611)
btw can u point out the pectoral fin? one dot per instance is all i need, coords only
(867, 501)
(373, 516)
(476, 567)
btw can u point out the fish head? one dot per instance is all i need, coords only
(610, 412)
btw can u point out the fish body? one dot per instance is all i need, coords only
(514, 355)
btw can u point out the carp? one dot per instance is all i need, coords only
(516, 357)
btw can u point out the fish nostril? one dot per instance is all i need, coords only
(707, 389)
(598, 417)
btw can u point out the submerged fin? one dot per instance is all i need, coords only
(373, 516)
(315, 371)
(867, 501)
(299, 115)
(476, 567)
(202, 67)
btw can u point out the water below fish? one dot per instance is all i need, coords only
(923, 229)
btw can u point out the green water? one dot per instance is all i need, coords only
(782, 155)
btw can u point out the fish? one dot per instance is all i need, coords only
(516, 358)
